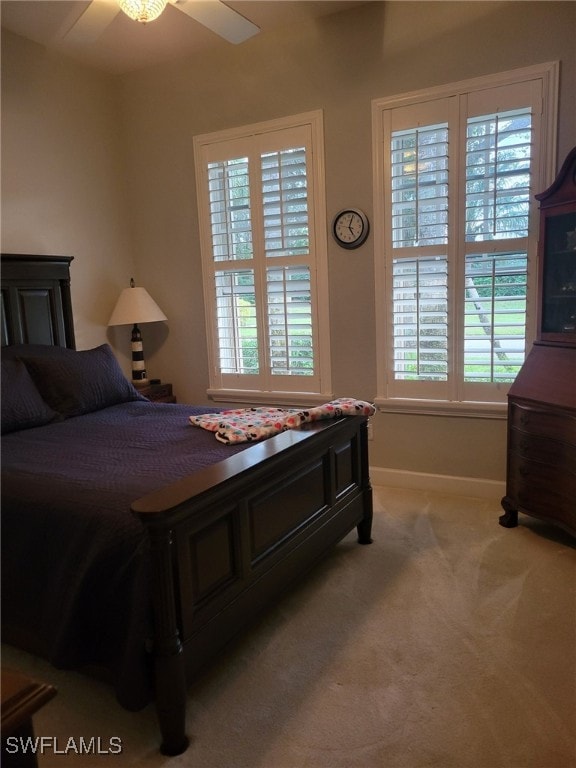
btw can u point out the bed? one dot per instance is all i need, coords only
(153, 544)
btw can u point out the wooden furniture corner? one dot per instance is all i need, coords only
(22, 697)
(158, 393)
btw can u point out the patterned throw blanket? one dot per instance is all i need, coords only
(251, 424)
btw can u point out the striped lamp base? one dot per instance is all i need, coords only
(139, 378)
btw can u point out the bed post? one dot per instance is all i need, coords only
(364, 528)
(169, 671)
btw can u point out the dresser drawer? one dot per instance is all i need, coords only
(547, 489)
(546, 423)
(543, 449)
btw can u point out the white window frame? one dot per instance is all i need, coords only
(258, 388)
(427, 400)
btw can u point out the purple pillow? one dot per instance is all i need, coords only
(22, 405)
(74, 383)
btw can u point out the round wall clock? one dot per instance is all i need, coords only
(350, 228)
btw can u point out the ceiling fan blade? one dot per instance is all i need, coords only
(219, 18)
(92, 23)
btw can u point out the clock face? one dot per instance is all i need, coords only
(350, 228)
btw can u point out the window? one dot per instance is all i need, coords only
(456, 235)
(263, 238)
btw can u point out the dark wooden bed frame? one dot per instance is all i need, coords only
(227, 540)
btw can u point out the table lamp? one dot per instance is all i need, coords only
(134, 306)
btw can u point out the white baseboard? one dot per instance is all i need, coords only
(421, 481)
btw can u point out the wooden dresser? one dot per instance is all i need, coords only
(541, 459)
(541, 476)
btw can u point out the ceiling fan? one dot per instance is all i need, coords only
(214, 14)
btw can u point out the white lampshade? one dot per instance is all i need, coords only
(135, 305)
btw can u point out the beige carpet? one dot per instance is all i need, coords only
(450, 642)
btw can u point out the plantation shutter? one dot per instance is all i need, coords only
(420, 312)
(460, 172)
(420, 183)
(287, 249)
(261, 260)
(500, 178)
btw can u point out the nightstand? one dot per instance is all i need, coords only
(158, 393)
(22, 697)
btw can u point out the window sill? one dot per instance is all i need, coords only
(475, 410)
(255, 397)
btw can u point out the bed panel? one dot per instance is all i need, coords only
(347, 467)
(272, 519)
(213, 559)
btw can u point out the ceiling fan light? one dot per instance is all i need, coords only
(142, 10)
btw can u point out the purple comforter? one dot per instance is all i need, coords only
(74, 558)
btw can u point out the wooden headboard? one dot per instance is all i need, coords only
(36, 302)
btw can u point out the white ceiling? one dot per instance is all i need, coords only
(127, 45)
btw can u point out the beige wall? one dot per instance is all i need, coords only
(62, 180)
(339, 64)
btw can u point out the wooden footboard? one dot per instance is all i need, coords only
(227, 541)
